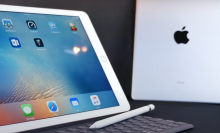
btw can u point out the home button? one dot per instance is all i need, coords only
(103, 58)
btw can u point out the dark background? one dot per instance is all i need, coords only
(113, 21)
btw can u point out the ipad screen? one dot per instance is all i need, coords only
(48, 68)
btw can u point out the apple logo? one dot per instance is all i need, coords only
(181, 36)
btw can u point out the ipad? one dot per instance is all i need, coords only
(177, 51)
(53, 69)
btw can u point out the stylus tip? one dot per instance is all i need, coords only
(152, 107)
(92, 126)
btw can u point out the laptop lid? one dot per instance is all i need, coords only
(177, 51)
(53, 70)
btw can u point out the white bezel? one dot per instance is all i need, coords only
(116, 87)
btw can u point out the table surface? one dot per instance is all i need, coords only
(205, 117)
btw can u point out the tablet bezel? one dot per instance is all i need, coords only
(110, 74)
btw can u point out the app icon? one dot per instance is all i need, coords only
(53, 25)
(95, 100)
(27, 110)
(52, 106)
(15, 42)
(7, 23)
(72, 27)
(74, 102)
(38, 42)
(31, 25)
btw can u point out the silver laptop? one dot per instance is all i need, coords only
(177, 51)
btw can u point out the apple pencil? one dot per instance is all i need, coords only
(121, 117)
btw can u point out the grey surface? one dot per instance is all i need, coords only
(204, 117)
(138, 124)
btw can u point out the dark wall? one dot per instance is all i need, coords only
(114, 23)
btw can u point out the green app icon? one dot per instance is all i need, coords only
(27, 110)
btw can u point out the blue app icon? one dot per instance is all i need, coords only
(53, 25)
(74, 102)
(15, 43)
(52, 106)
(7, 23)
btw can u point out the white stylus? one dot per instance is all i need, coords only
(121, 117)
